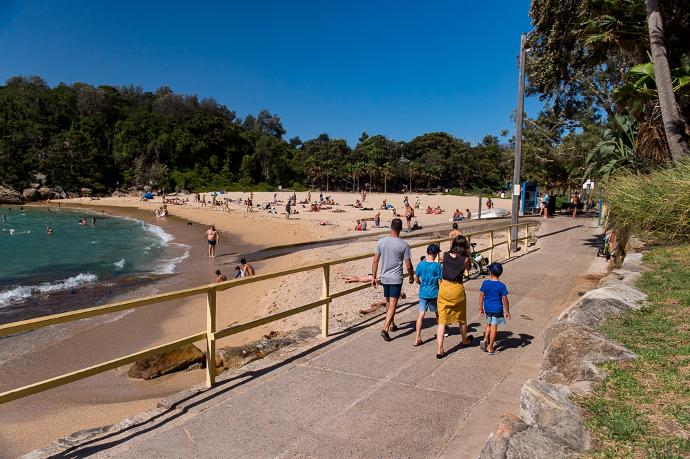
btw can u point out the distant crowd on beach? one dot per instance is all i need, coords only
(293, 206)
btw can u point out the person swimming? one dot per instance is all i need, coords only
(49, 230)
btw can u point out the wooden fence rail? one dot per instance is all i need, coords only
(211, 334)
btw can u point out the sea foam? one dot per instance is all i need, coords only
(22, 292)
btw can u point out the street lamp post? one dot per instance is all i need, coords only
(518, 144)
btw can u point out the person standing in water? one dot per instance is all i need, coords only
(212, 237)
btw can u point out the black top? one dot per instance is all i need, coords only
(453, 268)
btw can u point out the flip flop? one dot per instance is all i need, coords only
(385, 335)
(482, 345)
(470, 338)
(418, 343)
(441, 355)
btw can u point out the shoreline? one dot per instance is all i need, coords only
(111, 396)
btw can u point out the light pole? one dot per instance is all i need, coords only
(518, 145)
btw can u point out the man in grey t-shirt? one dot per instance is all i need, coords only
(391, 253)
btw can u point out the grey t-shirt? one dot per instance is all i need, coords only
(393, 252)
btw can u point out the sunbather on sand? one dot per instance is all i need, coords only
(373, 307)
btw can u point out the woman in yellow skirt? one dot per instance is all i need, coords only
(452, 302)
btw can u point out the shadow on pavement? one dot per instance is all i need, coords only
(181, 407)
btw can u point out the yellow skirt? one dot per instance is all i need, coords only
(452, 303)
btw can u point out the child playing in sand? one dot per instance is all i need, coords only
(493, 301)
(427, 274)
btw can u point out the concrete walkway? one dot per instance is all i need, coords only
(354, 395)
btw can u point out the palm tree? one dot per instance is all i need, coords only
(387, 170)
(672, 119)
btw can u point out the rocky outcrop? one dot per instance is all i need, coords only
(39, 177)
(573, 355)
(10, 196)
(497, 443)
(611, 300)
(119, 194)
(30, 194)
(166, 362)
(45, 192)
(550, 425)
(549, 407)
(534, 443)
(85, 192)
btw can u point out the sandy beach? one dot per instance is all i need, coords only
(107, 398)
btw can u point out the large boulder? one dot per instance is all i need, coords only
(534, 443)
(573, 354)
(166, 362)
(620, 276)
(39, 177)
(30, 194)
(10, 196)
(45, 192)
(599, 304)
(119, 194)
(549, 406)
(86, 192)
(633, 262)
(59, 193)
(497, 443)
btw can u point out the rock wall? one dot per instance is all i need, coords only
(550, 425)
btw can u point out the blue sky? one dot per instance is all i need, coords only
(398, 68)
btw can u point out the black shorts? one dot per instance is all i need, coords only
(211, 243)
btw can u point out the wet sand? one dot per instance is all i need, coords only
(107, 398)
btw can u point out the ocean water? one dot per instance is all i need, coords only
(36, 266)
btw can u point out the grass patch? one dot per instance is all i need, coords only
(642, 408)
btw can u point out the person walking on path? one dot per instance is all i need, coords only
(288, 209)
(452, 301)
(212, 237)
(493, 302)
(391, 253)
(428, 275)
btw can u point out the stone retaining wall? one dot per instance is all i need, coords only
(550, 425)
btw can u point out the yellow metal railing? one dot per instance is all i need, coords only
(211, 334)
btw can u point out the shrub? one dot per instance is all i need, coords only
(297, 186)
(656, 204)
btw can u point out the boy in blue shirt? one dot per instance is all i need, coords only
(427, 274)
(493, 301)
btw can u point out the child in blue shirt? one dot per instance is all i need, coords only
(427, 274)
(493, 301)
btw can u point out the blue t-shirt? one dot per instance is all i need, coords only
(429, 273)
(494, 291)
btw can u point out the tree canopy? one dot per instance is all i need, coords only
(110, 137)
